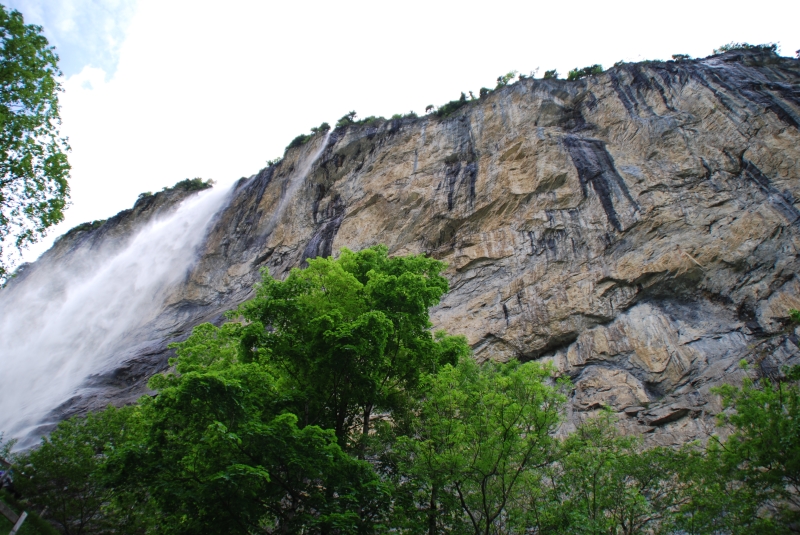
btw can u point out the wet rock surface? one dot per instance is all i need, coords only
(639, 229)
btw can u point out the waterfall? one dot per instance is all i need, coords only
(68, 320)
(81, 316)
(294, 183)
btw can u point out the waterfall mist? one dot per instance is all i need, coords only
(68, 321)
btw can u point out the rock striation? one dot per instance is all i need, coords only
(639, 229)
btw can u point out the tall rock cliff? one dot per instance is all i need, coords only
(639, 229)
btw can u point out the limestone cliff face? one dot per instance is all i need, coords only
(639, 229)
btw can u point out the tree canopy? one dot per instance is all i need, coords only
(326, 405)
(33, 162)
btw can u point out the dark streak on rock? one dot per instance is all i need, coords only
(782, 202)
(321, 243)
(596, 167)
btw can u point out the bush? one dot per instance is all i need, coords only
(346, 120)
(746, 46)
(503, 80)
(681, 57)
(191, 184)
(324, 127)
(299, 141)
(577, 74)
(484, 92)
(551, 75)
(452, 106)
(275, 161)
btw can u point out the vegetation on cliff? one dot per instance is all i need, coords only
(326, 405)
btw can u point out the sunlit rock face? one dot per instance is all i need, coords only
(638, 229)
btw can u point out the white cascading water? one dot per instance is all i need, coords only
(294, 184)
(65, 323)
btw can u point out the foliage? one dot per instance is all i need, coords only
(550, 75)
(451, 107)
(324, 127)
(409, 115)
(681, 57)
(603, 482)
(577, 74)
(484, 92)
(327, 406)
(33, 525)
(349, 336)
(346, 120)
(503, 80)
(763, 452)
(478, 433)
(299, 141)
(33, 162)
(89, 225)
(274, 161)
(221, 456)
(302, 139)
(64, 474)
(746, 46)
(191, 184)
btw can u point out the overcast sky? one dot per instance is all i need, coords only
(159, 91)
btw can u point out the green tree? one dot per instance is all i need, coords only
(33, 164)
(577, 74)
(349, 336)
(603, 482)
(66, 474)
(763, 452)
(480, 430)
(220, 456)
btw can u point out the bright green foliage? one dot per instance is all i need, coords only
(348, 336)
(603, 482)
(550, 75)
(222, 458)
(33, 164)
(480, 431)
(763, 452)
(66, 475)
(577, 74)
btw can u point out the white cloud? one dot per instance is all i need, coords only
(214, 90)
(85, 32)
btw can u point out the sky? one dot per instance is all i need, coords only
(158, 91)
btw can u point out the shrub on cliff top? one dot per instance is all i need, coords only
(346, 120)
(300, 140)
(577, 74)
(503, 80)
(550, 75)
(191, 184)
(452, 106)
(746, 46)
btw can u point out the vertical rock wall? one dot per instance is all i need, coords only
(637, 228)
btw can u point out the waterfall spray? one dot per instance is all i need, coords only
(66, 323)
(294, 183)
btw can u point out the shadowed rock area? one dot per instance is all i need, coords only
(637, 228)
